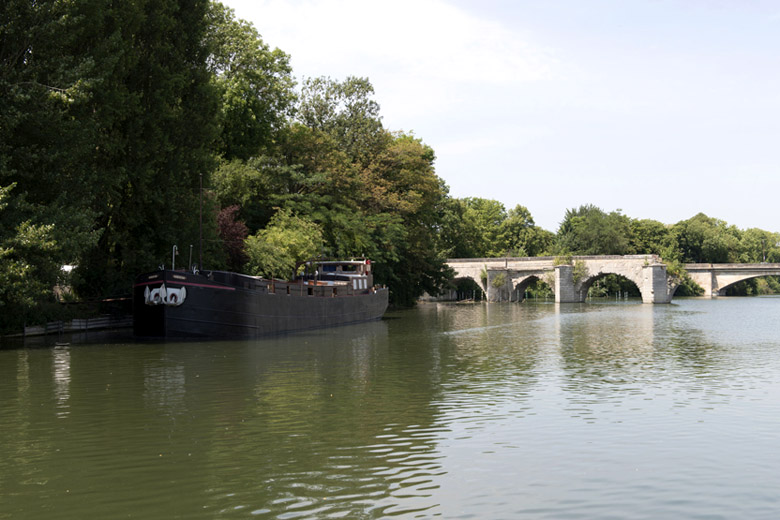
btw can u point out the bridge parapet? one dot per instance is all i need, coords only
(726, 267)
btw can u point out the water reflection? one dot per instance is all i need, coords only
(351, 431)
(164, 387)
(22, 373)
(321, 422)
(61, 375)
(456, 411)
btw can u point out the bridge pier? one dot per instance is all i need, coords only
(499, 286)
(565, 288)
(656, 284)
(707, 280)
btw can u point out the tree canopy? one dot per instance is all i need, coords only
(280, 248)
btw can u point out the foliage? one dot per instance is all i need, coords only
(498, 281)
(347, 112)
(45, 188)
(153, 111)
(373, 193)
(254, 83)
(482, 228)
(482, 220)
(541, 288)
(755, 286)
(648, 237)
(26, 268)
(702, 239)
(280, 248)
(411, 198)
(588, 230)
(613, 284)
(522, 237)
(579, 271)
(757, 245)
(233, 233)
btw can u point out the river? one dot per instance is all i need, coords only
(502, 411)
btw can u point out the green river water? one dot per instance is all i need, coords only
(503, 411)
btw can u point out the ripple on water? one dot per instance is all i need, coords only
(523, 411)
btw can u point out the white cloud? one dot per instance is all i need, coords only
(419, 54)
(424, 38)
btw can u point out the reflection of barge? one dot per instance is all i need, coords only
(169, 303)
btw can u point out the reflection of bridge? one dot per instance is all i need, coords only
(505, 279)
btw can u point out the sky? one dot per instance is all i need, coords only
(659, 108)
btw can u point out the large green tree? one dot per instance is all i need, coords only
(406, 199)
(588, 230)
(522, 237)
(347, 112)
(254, 83)
(474, 227)
(108, 121)
(47, 140)
(480, 233)
(649, 237)
(702, 239)
(287, 241)
(28, 264)
(156, 110)
(757, 245)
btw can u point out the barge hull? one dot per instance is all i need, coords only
(245, 307)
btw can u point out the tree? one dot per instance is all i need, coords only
(46, 174)
(588, 230)
(345, 111)
(253, 81)
(156, 110)
(702, 239)
(233, 233)
(407, 198)
(757, 245)
(28, 266)
(482, 231)
(649, 237)
(522, 237)
(475, 227)
(278, 249)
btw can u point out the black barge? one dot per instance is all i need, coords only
(209, 304)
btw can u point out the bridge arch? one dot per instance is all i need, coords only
(590, 282)
(732, 281)
(520, 284)
(467, 288)
(597, 268)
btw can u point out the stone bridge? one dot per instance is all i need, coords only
(507, 278)
(716, 278)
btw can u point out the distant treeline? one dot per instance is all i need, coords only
(112, 114)
(485, 229)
